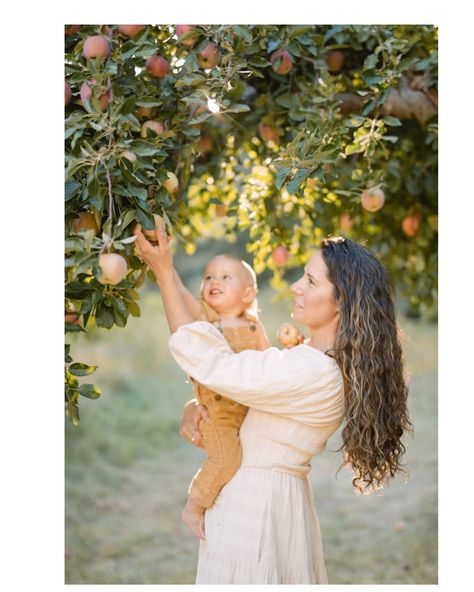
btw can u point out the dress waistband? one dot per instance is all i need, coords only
(300, 471)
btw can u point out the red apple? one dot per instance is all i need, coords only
(156, 126)
(67, 93)
(157, 66)
(372, 199)
(286, 62)
(71, 29)
(130, 30)
(280, 255)
(96, 46)
(345, 222)
(411, 224)
(209, 57)
(113, 267)
(268, 133)
(288, 335)
(335, 60)
(86, 93)
(181, 30)
(205, 144)
(221, 210)
(85, 221)
(71, 315)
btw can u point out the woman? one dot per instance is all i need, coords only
(262, 528)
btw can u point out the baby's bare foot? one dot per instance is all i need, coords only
(194, 520)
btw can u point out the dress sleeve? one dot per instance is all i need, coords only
(301, 383)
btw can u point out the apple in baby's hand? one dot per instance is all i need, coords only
(288, 335)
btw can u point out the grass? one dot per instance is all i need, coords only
(127, 469)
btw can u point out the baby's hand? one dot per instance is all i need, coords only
(289, 336)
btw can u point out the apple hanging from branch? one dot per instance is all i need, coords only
(96, 46)
(280, 255)
(130, 30)
(372, 200)
(113, 267)
(284, 63)
(157, 66)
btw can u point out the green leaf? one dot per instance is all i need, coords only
(91, 391)
(355, 121)
(391, 139)
(259, 62)
(143, 148)
(148, 102)
(72, 411)
(372, 79)
(133, 308)
(393, 121)
(294, 184)
(281, 176)
(146, 220)
(200, 118)
(128, 217)
(353, 148)
(70, 189)
(139, 192)
(286, 100)
(119, 319)
(128, 106)
(244, 32)
(104, 317)
(371, 61)
(79, 369)
(368, 108)
(73, 328)
(121, 306)
(237, 108)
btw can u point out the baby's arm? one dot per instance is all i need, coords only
(190, 301)
(263, 341)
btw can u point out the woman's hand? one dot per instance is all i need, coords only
(158, 258)
(193, 413)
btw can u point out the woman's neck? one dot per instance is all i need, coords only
(322, 339)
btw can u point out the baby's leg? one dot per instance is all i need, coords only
(193, 516)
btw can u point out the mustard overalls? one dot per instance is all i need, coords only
(221, 434)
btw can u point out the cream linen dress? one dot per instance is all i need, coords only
(263, 527)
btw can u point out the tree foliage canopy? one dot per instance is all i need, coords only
(273, 130)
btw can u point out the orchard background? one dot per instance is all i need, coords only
(257, 140)
(277, 135)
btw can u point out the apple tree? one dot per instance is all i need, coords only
(287, 133)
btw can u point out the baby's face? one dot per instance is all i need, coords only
(227, 286)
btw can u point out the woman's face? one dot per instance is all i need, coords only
(313, 296)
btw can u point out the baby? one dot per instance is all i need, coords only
(229, 301)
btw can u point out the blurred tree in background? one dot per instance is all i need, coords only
(279, 133)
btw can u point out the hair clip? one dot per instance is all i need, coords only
(338, 240)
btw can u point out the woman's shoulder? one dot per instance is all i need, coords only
(306, 350)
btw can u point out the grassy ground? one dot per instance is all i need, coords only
(127, 470)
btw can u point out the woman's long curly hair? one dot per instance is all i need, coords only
(368, 351)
